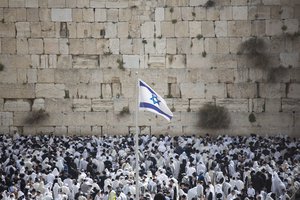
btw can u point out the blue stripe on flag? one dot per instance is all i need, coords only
(143, 85)
(151, 106)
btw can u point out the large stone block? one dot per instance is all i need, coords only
(182, 29)
(176, 61)
(61, 15)
(273, 27)
(23, 29)
(289, 59)
(35, 46)
(240, 28)
(221, 28)
(192, 90)
(273, 105)
(270, 120)
(208, 29)
(48, 90)
(96, 118)
(88, 15)
(1, 104)
(89, 91)
(226, 13)
(8, 75)
(38, 104)
(7, 30)
(131, 61)
(294, 91)
(159, 14)
(84, 30)
(19, 105)
(272, 90)
(290, 105)
(234, 105)
(45, 75)
(22, 46)
(82, 105)
(215, 90)
(147, 30)
(85, 61)
(257, 105)
(64, 61)
(197, 61)
(6, 118)
(58, 105)
(167, 29)
(51, 46)
(17, 91)
(240, 12)
(97, 4)
(101, 105)
(89, 46)
(241, 90)
(9, 46)
(183, 45)
(76, 46)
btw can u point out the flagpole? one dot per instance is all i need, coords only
(136, 140)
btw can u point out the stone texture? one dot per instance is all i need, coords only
(17, 105)
(17, 91)
(48, 90)
(61, 15)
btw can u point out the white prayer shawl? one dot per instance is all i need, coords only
(56, 189)
(192, 193)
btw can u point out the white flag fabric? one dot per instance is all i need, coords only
(151, 101)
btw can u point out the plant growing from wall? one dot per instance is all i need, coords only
(120, 64)
(36, 117)
(1, 67)
(252, 118)
(214, 117)
(125, 111)
(209, 4)
(255, 51)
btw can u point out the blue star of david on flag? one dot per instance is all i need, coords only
(151, 101)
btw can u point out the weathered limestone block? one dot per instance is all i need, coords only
(273, 27)
(66, 76)
(58, 105)
(7, 30)
(215, 90)
(111, 30)
(77, 15)
(112, 15)
(192, 90)
(114, 46)
(234, 105)
(167, 29)
(61, 15)
(89, 46)
(208, 29)
(223, 45)
(197, 61)
(210, 45)
(38, 104)
(289, 59)
(257, 105)
(294, 91)
(200, 13)
(21, 76)
(213, 14)
(195, 28)
(6, 118)
(51, 46)
(290, 105)
(73, 119)
(84, 30)
(273, 105)
(176, 61)
(23, 29)
(22, 46)
(240, 28)
(159, 14)
(19, 105)
(240, 12)
(197, 46)
(9, 15)
(45, 14)
(6, 130)
(271, 2)
(123, 29)
(45, 76)
(182, 29)
(117, 4)
(96, 118)
(226, 13)
(125, 14)
(82, 105)
(131, 61)
(270, 120)
(17, 91)
(272, 90)
(32, 14)
(85, 61)
(49, 90)
(101, 105)
(97, 4)
(183, 45)
(287, 12)
(3, 3)
(31, 3)
(156, 61)
(75, 46)
(56, 4)
(9, 45)
(102, 46)
(197, 2)
(147, 30)
(64, 61)
(88, 15)
(221, 28)
(110, 61)
(31, 76)
(60, 130)
(89, 91)
(241, 90)
(259, 12)
(1, 104)
(36, 46)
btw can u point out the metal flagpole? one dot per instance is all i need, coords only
(136, 141)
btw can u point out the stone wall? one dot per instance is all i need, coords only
(76, 59)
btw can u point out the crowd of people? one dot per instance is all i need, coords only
(45, 167)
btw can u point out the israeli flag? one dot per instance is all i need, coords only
(151, 101)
